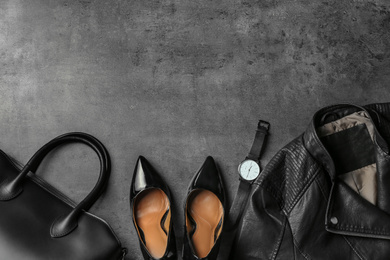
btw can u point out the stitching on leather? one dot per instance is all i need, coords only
(386, 156)
(11, 196)
(354, 250)
(303, 190)
(54, 233)
(298, 192)
(285, 210)
(279, 241)
(349, 243)
(292, 235)
(321, 189)
(353, 228)
(271, 192)
(300, 251)
(330, 204)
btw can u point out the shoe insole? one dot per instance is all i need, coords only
(206, 210)
(149, 210)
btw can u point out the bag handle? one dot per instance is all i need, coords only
(63, 225)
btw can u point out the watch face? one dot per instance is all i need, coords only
(249, 170)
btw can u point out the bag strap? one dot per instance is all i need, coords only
(63, 225)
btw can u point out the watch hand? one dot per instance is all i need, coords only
(249, 171)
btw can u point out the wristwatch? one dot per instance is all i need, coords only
(249, 169)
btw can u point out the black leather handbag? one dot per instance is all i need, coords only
(39, 222)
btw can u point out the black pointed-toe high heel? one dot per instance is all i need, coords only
(150, 201)
(204, 214)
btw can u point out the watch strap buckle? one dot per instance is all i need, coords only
(263, 125)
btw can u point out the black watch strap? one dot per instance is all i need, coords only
(231, 224)
(239, 202)
(243, 193)
(244, 187)
(258, 143)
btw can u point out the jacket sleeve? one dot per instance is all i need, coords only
(264, 232)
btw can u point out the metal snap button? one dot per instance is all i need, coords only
(334, 220)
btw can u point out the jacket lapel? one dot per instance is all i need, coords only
(350, 214)
(347, 212)
(383, 180)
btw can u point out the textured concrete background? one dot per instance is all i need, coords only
(177, 80)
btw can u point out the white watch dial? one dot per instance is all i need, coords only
(249, 170)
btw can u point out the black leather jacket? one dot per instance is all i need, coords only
(300, 208)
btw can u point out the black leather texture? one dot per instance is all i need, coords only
(300, 209)
(37, 222)
(259, 141)
(208, 178)
(145, 177)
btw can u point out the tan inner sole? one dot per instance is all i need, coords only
(149, 209)
(206, 210)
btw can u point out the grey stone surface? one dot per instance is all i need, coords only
(177, 80)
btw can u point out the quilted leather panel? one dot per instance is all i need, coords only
(288, 174)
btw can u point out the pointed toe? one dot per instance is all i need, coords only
(204, 213)
(150, 202)
(208, 178)
(139, 181)
(144, 177)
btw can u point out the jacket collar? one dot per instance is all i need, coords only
(347, 212)
(316, 148)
